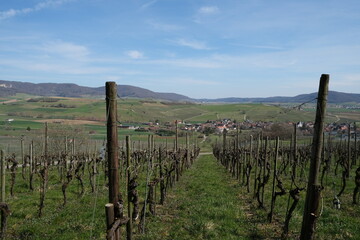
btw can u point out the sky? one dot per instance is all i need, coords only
(198, 48)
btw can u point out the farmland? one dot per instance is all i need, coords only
(90, 112)
(195, 206)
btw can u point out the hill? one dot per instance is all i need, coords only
(10, 88)
(334, 97)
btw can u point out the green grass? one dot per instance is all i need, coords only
(82, 218)
(203, 205)
(135, 110)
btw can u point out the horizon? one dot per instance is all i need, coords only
(188, 96)
(200, 49)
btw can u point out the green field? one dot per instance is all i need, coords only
(29, 114)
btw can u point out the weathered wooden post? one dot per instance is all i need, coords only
(223, 159)
(187, 151)
(46, 141)
(348, 152)
(44, 173)
(112, 209)
(355, 145)
(4, 208)
(256, 164)
(128, 171)
(311, 209)
(176, 135)
(31, 170)
(295, 146)
(161, 175)
(264, 170)
(274, 180)
(3, 176)
(22, 162)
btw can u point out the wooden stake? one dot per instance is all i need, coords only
(112, 150)
(274, 180)
(311, 211)
(176, 136)
(3, 176)
(128, 171)
(355, 146)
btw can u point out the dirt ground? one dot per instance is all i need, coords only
(71, 122)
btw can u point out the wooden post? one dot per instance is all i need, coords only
(224, 148)
(46, 144)
(187, 151)
(295, 145)
(274, 180)
(176, 135)
(66, 146)
(46, 154)
(3, 176)
(311, 208)
(73, 147)
(256, 164)
(31, 148)
(31, 167)
(22, 162)
(112, 145)
(348, 152)
(110, 217)
(128, 170)
(112, 142)
(264, 169)
(161, 175)
(355, 145)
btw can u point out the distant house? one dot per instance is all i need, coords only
(220, 128)
(127, 127)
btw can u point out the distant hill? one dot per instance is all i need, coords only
(334, 97)
(9, 88)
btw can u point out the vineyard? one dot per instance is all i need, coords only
(60, 184)
(42, 187)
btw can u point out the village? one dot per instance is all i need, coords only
(340, 130)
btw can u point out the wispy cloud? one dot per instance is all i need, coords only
(134, 54)
(198, 45)
(66, 49)
(164, 26)
(209, 10)
(148, 4)
(347, 80)
(270, 47)
(187, 63)
(193, 81)
(42, 5)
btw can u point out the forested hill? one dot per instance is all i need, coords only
(9, 88)
(334, 97)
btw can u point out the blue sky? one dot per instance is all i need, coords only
(199, 48)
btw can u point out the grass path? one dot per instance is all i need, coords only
(204, 204)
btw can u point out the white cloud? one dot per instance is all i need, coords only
(209, 10)
(187, 63)
(193, 81)
(148, 4)
(42, 5)
(164, 26)
(112, 78)
(134, 54)
(192, 44)
(66, 49)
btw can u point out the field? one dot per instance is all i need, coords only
(91, 113)
(206, 200)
